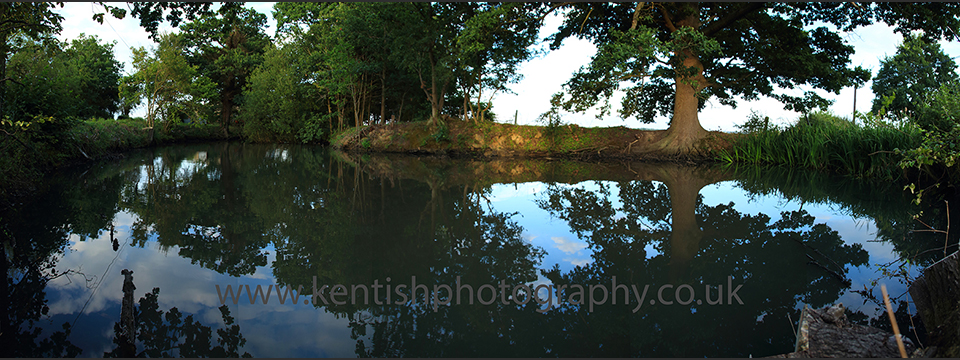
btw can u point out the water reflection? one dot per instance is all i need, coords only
(197, 204)
(195, 217)
(698, 244)
(169, 334)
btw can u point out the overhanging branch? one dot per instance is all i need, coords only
(737, 15)
(12, 80)
(666, 18)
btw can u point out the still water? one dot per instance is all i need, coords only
(722, 258)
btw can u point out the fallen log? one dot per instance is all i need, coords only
(826, 333)
(936, 293)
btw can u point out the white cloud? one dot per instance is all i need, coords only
(577, 262)
(191, 289)
(568, 246)
(502, 192)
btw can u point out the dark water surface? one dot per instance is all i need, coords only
(189, 219)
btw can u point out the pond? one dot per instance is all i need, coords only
(505, 258)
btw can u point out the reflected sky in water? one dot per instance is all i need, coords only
(88, 296)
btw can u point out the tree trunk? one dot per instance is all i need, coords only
(3, 75)
(684, 186)
(435, 95)
(936, 295)
(383, 95)
(128, 334)
(685, 130)
(434, 101)
(685, 127)
(226, 111)
(329, 122)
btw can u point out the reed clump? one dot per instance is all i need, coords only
(824, 141)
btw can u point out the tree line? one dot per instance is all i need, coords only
(330, 66)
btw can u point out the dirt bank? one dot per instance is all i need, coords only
(504, 140)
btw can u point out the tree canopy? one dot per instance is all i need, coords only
(70, 79)
(918, 67)
(226, 47)
(30, 20)
(671, 58)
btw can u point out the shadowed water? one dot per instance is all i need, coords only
(188, 219)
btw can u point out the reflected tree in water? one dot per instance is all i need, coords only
(359, 229)
(777, 263)
(170, 334)
(343, 223)
(32, 240)
(899, 221)
(197, 205)
(23, 305)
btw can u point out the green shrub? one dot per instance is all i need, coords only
(441, 134)
(755, 123)
(939, 111)
(315, 128)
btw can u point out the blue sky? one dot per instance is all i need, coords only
(545, 75)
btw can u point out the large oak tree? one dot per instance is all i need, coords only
(670, 58)
(227, 47)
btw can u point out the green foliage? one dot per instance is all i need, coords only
(24, 23)
(315, 129)
(99, 74)
(353, 64)
(275, 104)
(129, 91)
(739, 48)
(756, 123)
(937, 153)
(46, 84)
(78, 78)
(172, 87)
(939, 108)
(675, 56)
(226, 47)
(30, 19)
(335, 65)
(441, 134)
(938, 148)
(151, 14)
(489, 50)
(824, 141)
(918, 68)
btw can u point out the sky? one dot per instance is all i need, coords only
(543, 76)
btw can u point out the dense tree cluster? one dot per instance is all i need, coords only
(335, 65)
(350, 64)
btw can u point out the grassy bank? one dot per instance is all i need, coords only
(46, 143)
(824, 141)
(495, 139)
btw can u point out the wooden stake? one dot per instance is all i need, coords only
(893, 321)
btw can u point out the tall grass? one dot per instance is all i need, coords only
(824, 141)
